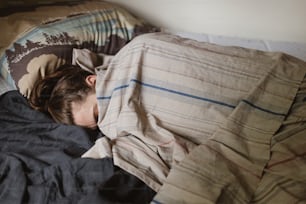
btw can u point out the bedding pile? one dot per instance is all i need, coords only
(181, 121)
(39, 159)
(202, 123)
(40, 162)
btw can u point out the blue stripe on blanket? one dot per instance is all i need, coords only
(263, 109)
(115, 89)
(166, 90)
(182, 93)
(188, 95)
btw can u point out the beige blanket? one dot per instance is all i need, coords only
(199, 122)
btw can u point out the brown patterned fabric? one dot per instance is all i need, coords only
(38, 42)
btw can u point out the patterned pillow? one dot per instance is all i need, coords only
(4, 87)
(24, 4)
(36, 43)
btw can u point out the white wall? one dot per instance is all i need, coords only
(283, 20)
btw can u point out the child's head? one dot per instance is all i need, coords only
(62, 94)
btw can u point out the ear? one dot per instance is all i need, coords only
(91, 80)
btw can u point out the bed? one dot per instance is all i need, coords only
(183, 117)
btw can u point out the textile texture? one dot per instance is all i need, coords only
(201, 123)
(38, 42)
(4, 86)
(40, 162)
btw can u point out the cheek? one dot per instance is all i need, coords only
(81, 116)
(88, 119)
(84, 115)
(85, 120)
(91, 123)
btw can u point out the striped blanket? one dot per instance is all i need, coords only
(202, 123)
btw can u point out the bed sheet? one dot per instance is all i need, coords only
(292, 48)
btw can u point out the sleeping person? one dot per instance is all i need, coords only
(68, 96)
(165, 102)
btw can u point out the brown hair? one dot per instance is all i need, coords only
(55, 93)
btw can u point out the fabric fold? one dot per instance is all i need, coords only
(195, 120)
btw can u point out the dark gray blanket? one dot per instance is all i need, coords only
(40, 162)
